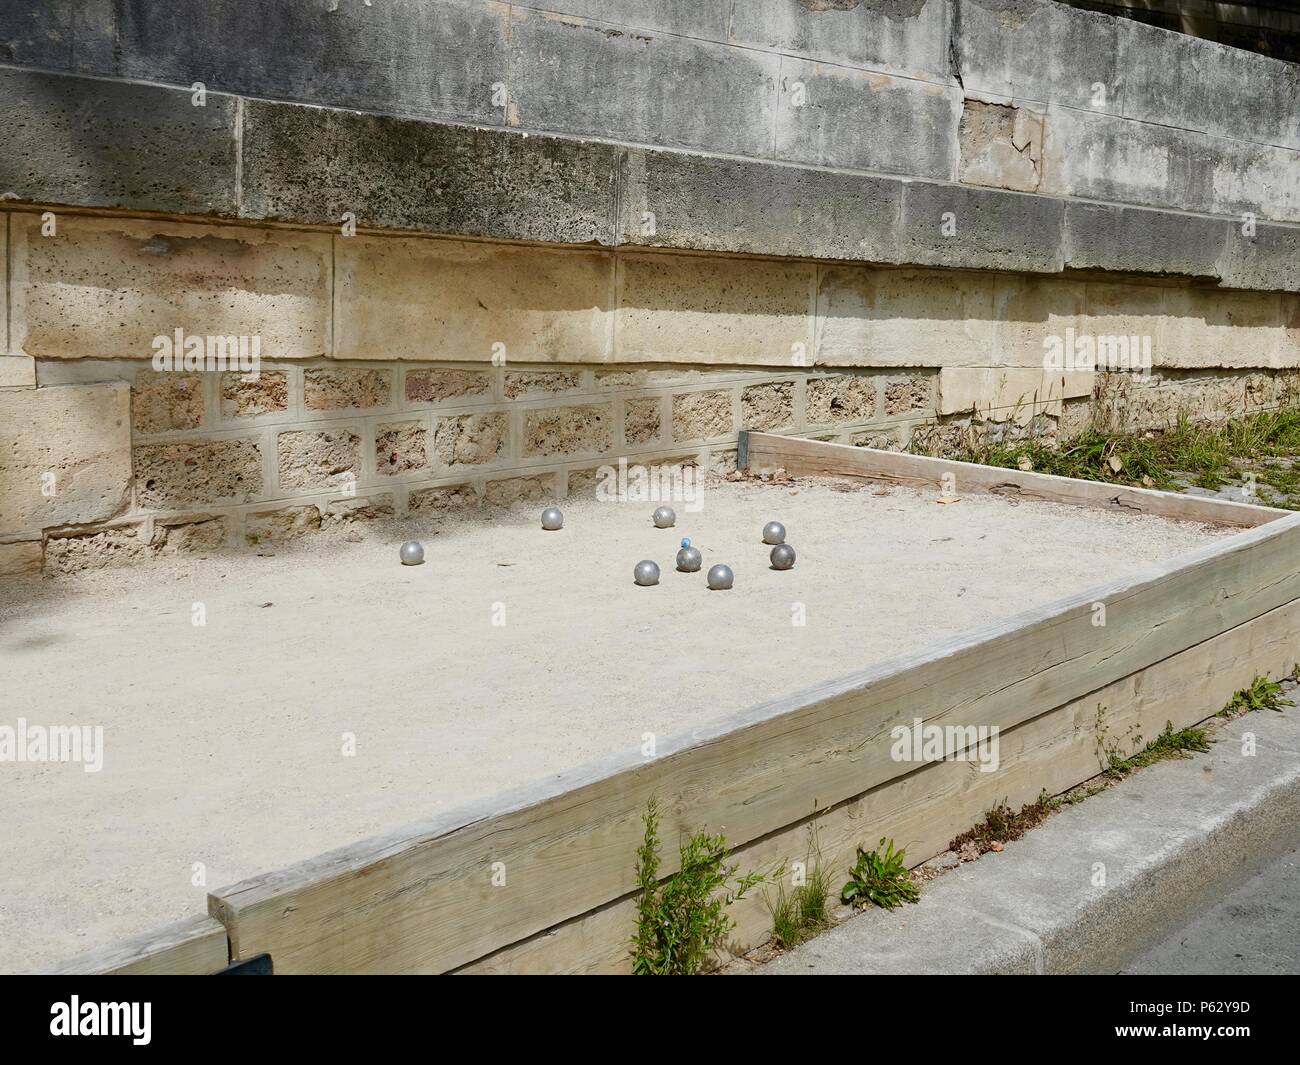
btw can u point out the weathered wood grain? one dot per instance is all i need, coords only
(764, 451)
(194, 947)
(423, 899)
(926, 809)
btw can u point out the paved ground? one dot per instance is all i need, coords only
(1101, 883)
(1255, 929)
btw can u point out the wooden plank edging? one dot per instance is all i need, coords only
(421, 899)
(196, 946)
(798, 456)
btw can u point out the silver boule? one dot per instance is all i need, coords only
(773, 533)
(412, 553)
(689, 559)
(646, 573)
(664, 518)
(720, 577)
(552, 519)
(782, 556)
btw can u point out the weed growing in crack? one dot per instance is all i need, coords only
(880, 878)
(682, 920)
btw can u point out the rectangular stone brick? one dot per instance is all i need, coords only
(440, 386)
(767, 407)
(519, 490)
(555, 61)
(197, 473)
(343, 389)
(96, 143)
(670, 199)
(862, 120)
(314, 459)
(443, 498)
(350, 511)
(840, 398)
(568, 430)
(163, 402)
(1031, 311)
(1209, 329)
(882, 318)
(642, 420)
(190, 535)
(434, 60)
(243, 396)
(17, 371)
(702, 416)
(909, 39)
(65, 456)
(406, 298)
(307, 164)
(22, 558)
(105, 288)
(281, 526)
(102, 549)
(1001, 393)
(540, 383)
(470, 439)
(400, 448)
(913, 393)
(694, 309)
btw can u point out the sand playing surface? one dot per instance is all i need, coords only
(223, 744)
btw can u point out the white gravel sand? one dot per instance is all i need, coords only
(223, 744)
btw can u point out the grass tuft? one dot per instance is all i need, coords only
(880, 878)
(1169, 744)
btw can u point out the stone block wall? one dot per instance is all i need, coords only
(220, 460)
(404, 373)
(485, 246)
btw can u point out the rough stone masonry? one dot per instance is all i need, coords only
(614, 230)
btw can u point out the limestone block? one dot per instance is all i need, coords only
(406, 298)
(243, 396)
(862, 120)
(692, 309)
(400, 448)
(886, 318)
(344, 389)
(197, 473)
(106, 288)
(767, 407)
(568, 430)
(470, 439)
(281, 526)
(839, 398)
(702, 415)
(163, 402)
(442, 386)
(315, 459)
(1001, 145)
(65, 456)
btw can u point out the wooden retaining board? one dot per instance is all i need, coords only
(924, 810)
(194, 947)
(423, 900)
(765, 451)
